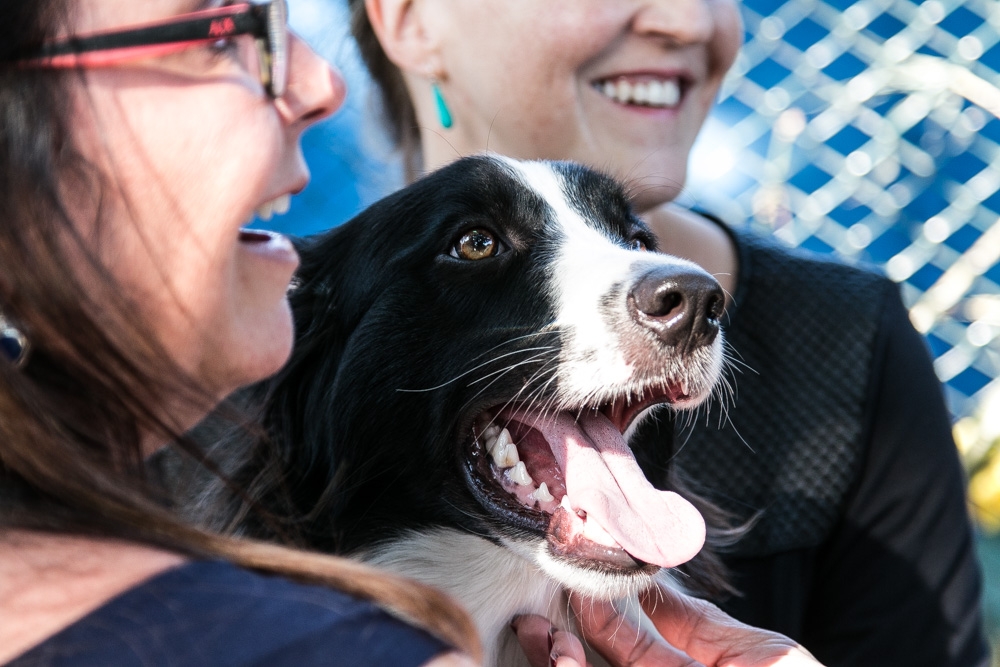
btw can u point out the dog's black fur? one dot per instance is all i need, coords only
(401, 343)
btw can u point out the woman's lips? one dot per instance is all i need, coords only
(269, 245)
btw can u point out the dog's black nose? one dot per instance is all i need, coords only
(681, 305)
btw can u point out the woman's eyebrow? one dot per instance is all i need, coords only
(209, 4)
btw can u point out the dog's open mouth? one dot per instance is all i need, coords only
(572, 477)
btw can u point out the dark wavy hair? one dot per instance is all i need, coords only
(394, 99)
(73, 417)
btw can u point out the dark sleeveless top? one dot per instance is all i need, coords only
(840, 444)
(213, 613)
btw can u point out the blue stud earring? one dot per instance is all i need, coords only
(14, 346)
(444, 115)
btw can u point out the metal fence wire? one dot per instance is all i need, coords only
(870, 129)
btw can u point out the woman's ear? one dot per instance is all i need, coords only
(404, 35)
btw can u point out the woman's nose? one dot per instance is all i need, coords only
(678, 21)
(315, 89)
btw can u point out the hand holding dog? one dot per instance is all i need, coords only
(698, 632)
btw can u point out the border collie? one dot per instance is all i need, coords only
(473, 356)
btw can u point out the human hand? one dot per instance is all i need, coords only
(696, 633)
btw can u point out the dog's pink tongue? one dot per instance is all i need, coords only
(604, 480)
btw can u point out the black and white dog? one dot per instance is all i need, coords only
(473, 355)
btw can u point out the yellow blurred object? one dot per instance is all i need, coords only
(978, 440)
(984, 494)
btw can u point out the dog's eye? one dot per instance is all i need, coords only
(475, 244)
(637, 244)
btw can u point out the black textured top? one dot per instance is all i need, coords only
(213, 613)
(840, 442)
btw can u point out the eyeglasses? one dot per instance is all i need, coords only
(266, 21)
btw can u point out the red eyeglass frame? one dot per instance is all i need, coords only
(266, 21)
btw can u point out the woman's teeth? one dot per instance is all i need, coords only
(277, 206)
(662, 93)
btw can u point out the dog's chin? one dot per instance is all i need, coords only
(591, 578)
(516, 475)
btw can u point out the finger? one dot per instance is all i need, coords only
(545, 646)
(621, 641)
(533, 632)
(567, 651)
(706, 633)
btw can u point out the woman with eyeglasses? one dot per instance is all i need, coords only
(137, 140)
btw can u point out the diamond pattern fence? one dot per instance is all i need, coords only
(870, 129)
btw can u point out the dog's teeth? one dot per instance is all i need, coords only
(491, 431)
(510, 456)
(564, 503)
(505, 457)
(498, 444)
(519, 475)
(542, 494)
(595, 532)
(504, 439)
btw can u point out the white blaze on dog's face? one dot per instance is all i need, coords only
(588, 276)
(636, 329)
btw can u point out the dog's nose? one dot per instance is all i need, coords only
(681, 305)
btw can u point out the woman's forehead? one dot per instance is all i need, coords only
(97, 15)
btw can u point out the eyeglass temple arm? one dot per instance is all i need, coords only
(219, 25)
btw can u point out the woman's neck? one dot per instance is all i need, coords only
(47, 582)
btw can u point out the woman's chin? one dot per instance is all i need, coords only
(255, 351)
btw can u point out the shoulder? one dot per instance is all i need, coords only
(216, 613)
(805, 332)
(767, 260)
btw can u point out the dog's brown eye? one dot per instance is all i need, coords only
(475, 244)
(637, 244)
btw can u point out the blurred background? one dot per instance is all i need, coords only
(864, 128)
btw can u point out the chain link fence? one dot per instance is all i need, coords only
(869, 129)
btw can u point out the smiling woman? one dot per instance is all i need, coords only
(138, 140)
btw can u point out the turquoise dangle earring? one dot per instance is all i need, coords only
(444, 114)
(14, 346)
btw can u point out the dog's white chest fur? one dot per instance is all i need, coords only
(492, 582)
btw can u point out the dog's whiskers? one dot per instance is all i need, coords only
(499, 376)
(475, 368)
(507, 369)
(516, 398)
